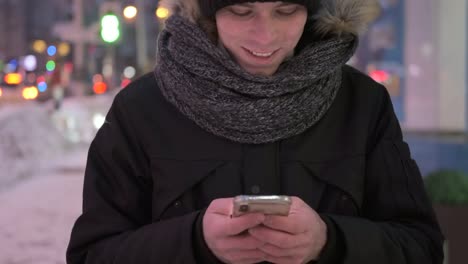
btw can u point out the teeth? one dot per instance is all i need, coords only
(259, 54)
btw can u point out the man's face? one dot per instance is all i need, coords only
(260, 36)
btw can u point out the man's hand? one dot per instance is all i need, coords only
(227, 237)
(297, 238)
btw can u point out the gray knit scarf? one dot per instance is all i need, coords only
(206, 85)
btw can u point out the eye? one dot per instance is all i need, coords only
(240, 11)
(287, 10)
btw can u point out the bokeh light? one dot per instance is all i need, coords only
(129, 72)
(130, 12)
(39, 46)
(162, 12)
(30, 93)
(63, 49)
(30, 63)
(42, 87)
(50, 66)
(51, 50)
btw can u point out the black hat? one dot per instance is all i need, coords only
(209, 8)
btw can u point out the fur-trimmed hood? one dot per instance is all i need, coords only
(334, 17)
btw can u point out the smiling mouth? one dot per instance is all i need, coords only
(261, 54)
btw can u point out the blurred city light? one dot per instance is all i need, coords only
(130, 12)
(30, 63)
(30, 93)
(125, 82)
(63, 49)
(380, 76)
(39, 46)
(42, 87)
(11, 66)
(1, 92)
(110, 31)
(162, 12)
(51, 50)
(99, 87)
(50, 66)
(13, 78)
(68, 67)
(98, 120)
(129, 72)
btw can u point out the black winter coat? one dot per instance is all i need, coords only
(151, 172)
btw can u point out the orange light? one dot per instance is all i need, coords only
(100, 87)
(1, 92)
(30, 93)
(13, 78)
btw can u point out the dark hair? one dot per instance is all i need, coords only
(209, 8)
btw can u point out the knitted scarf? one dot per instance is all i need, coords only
(206, 85)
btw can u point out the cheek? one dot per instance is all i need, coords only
(228, 32)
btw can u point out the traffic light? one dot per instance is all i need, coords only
(110, 28)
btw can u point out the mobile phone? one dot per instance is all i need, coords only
(267, 204)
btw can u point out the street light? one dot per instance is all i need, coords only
(162, 12)
(130, 12)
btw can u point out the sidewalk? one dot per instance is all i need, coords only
(37, 215)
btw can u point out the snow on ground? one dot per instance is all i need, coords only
(42, 160)
(32, 134)
(37, 215)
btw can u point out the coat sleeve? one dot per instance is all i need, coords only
(116, 224)
(398, 224)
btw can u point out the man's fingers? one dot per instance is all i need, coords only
(237, 225)
(240, 242)
(282, 223)
(221, 206)
(278, 238)
(275, 251)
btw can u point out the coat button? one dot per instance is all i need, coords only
(255, 189)
(177, 204)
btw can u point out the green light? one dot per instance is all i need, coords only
(50, 66)
(110, 31)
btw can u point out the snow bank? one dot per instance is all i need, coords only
(33, 137)
(27, 140)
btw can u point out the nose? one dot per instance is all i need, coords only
(264, 30)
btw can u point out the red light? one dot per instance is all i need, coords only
(41, 79)
(380, 76)
(68, 67)
(100, 87)
(125, 82)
